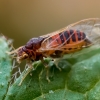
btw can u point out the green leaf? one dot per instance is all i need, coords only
(5, 68)
(78, 80)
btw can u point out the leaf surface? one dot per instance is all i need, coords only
(78, 80)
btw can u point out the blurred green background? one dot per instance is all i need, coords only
(24, 19)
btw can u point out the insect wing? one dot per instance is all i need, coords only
(91, 27)
(47, 36)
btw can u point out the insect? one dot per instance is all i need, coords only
(70, 39)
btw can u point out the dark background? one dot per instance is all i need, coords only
(24, 19)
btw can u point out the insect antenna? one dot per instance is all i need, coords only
(15, 51)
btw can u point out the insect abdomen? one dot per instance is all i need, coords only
(73, 36)
(66, 37)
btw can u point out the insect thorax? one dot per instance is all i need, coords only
(31, 46)
(34, 43)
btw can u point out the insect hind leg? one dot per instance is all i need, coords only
(48, 66)
(56, 63)
(47, 71)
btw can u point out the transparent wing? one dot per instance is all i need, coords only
(91, 27)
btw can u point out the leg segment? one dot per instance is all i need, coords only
(25, 74)
(47, 71)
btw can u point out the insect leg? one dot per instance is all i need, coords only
(29, 67)
(56, 63)
(47, 72)
(27, 71)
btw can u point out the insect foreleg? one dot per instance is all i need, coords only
(25, 74)
(27, 71)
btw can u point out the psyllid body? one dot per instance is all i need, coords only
(70, 39)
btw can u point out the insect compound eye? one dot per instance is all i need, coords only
(20, 51)
(24, 49)
(22, 54)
